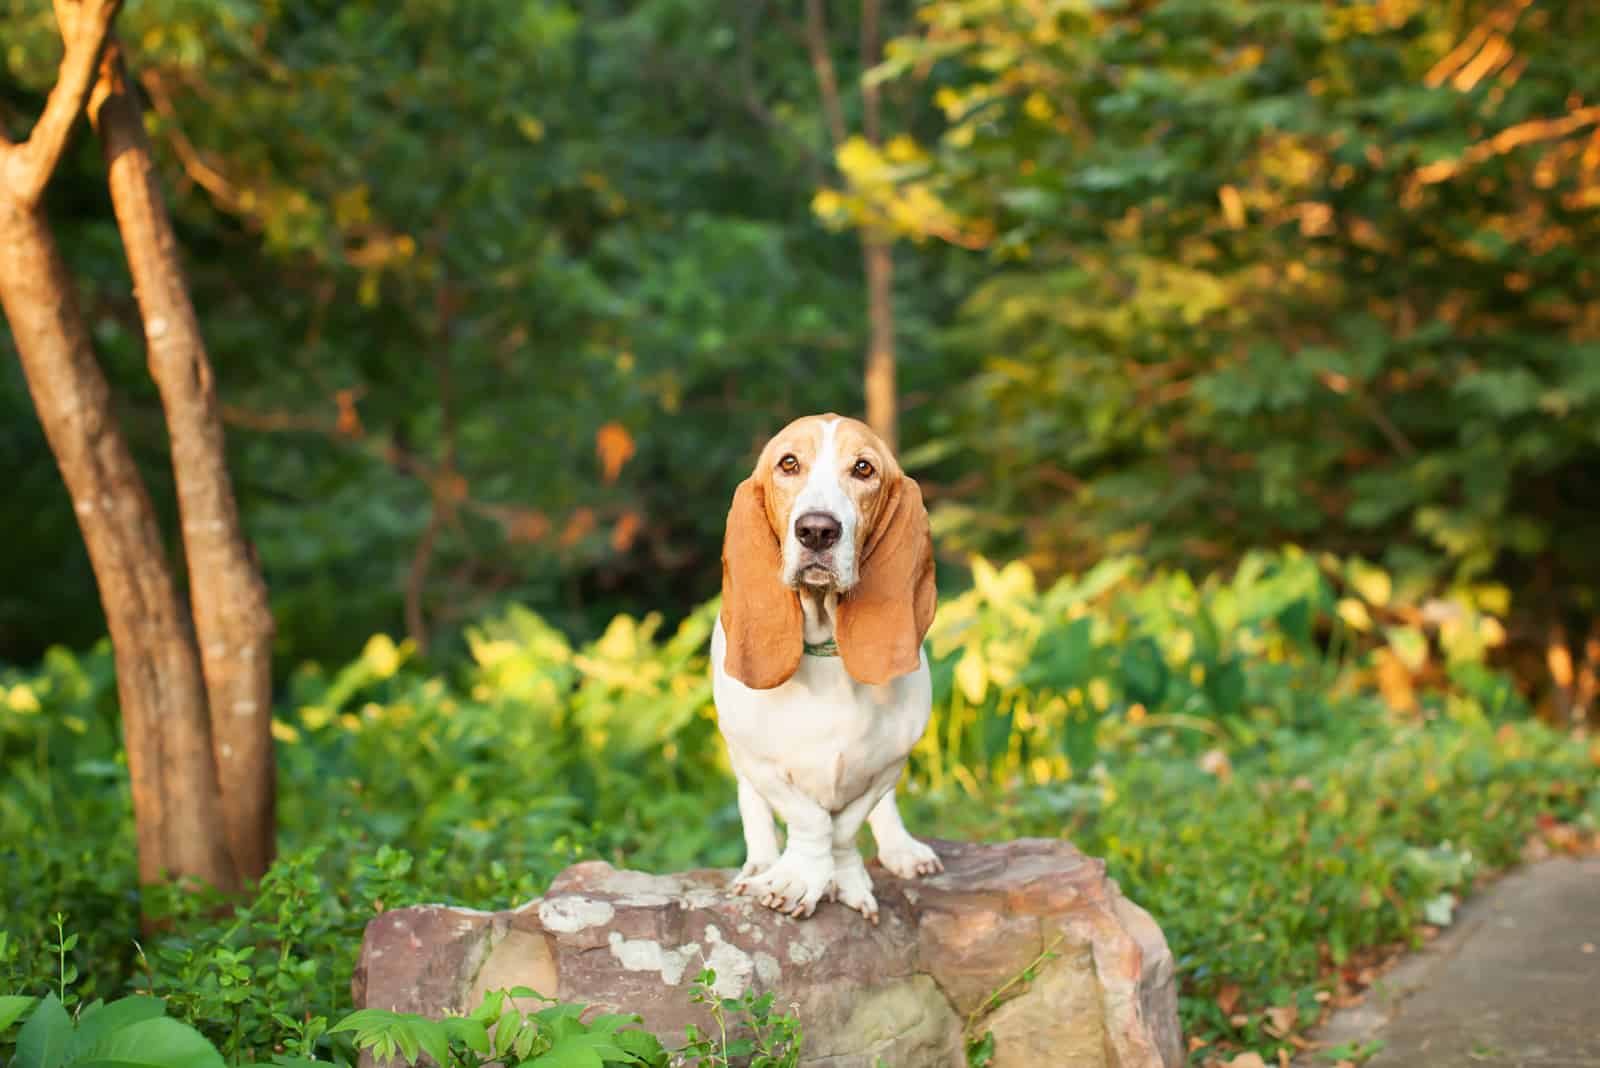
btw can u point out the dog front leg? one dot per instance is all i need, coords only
(852, 886)
(900, 853)
(797, 881)
(760, 835)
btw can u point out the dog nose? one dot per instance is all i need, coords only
(817, 531)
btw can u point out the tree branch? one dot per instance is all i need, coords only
(195, 166)
(1511, 138)
(822, 63)
(85, 25)
(870, 108)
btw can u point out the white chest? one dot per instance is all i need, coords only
(822, 731)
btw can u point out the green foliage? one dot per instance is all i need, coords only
(132, 1032)
(498, 1031)
(1295, 793)
(1268, 869)
(1037, 682)
(1315, 273)
(1308, 271)
(437, 251)
(749, 1033)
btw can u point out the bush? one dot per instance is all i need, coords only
(1292, 750)
(134, 1032)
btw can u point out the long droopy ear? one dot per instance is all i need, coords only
(883, 620)
(760, 615)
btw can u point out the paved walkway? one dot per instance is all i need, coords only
(1515, 983)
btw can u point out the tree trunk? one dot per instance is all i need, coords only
(159, 683)
(877, 257)
(232, 618)
(158, 675)
(882, 400)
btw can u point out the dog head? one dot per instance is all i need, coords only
(827, 509)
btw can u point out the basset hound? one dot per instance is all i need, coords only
(818, 672)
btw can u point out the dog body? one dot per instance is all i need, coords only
(821, 685)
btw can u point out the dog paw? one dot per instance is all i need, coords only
(852, 887)
(909, 859)
(792, 885)
(751, 869)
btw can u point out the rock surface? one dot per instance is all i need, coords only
(907, 991)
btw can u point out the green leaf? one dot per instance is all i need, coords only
(609, 1022)
(99, 1022)
(434, 1040)
(469, 1032)
(12, 1006)
(996, 734)
(1144, 673)
(365, 1018)
(158, 1043)
(640, 1043)
(406, 1038)
(42, 1042)
(570, 1052)
(489, 1008)
(1225, 685)
(1078, 739)
(1061, 659)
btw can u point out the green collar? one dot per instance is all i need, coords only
(827, 648)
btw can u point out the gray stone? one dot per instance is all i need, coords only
(946, 961)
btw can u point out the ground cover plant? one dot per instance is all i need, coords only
(1288, 765)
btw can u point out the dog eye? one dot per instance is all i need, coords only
(862, 469)
(788, 465)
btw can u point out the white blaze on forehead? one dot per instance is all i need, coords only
(824, 492)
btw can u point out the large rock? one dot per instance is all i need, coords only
(947, 960)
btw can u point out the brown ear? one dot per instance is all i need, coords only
(883, 620)
(760, 615)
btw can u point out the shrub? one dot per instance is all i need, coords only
(1294, 749)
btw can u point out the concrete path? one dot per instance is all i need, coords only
(1515, 983)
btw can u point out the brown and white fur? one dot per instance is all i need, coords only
(827, 539)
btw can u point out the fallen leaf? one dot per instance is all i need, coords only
(1281, 1020)
(1196, 1042)
(1247, 1060)
(1228, 997)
